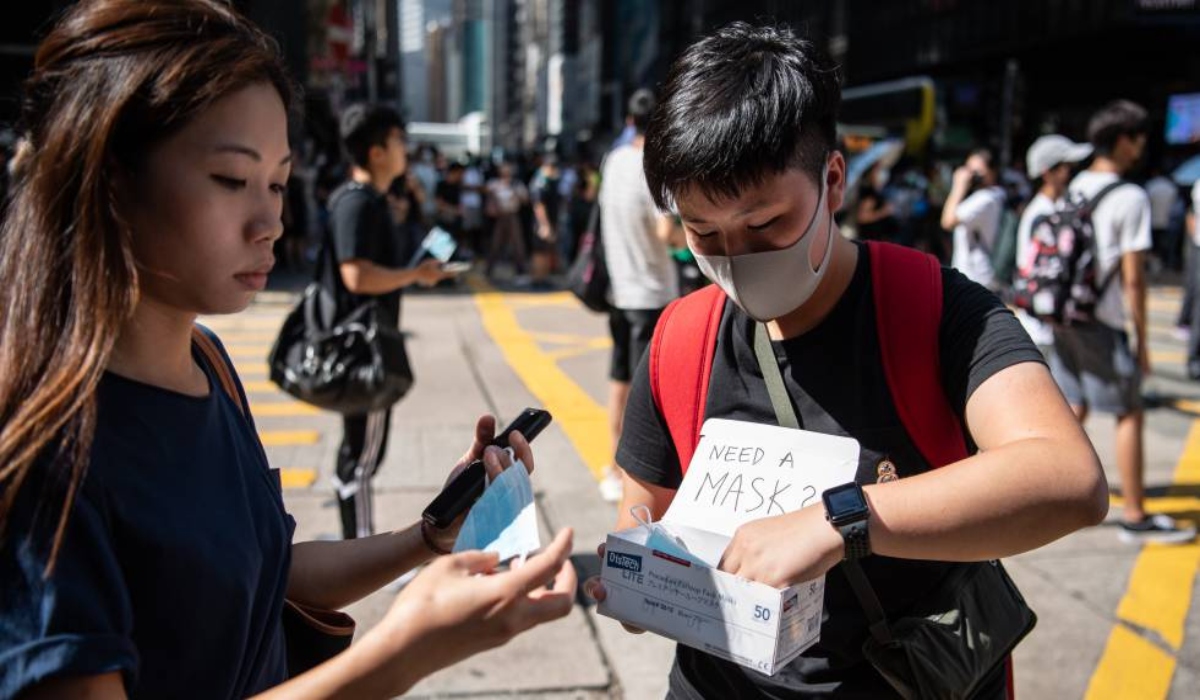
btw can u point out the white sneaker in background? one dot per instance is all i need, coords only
(1157, 528)
(612, 488)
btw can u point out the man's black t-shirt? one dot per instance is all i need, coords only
(836, 381)
(362, 229)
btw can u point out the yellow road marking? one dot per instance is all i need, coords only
(248, 336)
(1167, 356)
(583, 420)
(1156, 599)
(522, 301)
(284, 408)
(567, 353)
(568, 339)
(1164, 504)
(297, 477)
(284, 438)
(1142, 670)
(247, 369)
(261, 386)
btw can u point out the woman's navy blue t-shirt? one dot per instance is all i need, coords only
(174, 565)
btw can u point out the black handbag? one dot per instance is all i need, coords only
(339, 352)
(950, 641)
(587, 277)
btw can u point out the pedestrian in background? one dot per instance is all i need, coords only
(145, 548)
(1095, 364)
(1048, 163)
(641, 272)
(372, 263)
(505, 197)
(973, 210)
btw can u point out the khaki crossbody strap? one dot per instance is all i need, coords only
(216, 360)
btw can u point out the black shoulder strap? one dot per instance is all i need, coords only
(1091, 204)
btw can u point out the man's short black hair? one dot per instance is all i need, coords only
(988, 158)
(739, 105)
(1114, 120)
(641, 106)
(366, 125)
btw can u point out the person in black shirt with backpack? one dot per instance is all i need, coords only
(372, 256)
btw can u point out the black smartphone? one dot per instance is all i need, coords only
(463, 491)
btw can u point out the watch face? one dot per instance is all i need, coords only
(844, 503)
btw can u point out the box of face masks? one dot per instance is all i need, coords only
(663, 577)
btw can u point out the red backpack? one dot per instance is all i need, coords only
(907, 287)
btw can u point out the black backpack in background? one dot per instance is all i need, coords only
(1059, 279)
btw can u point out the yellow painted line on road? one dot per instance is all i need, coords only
(260, 387)
(250, 369)
(1167, 356)
(1164, 504)
(1156, 599)
(1141, 670)
(568, 338)
(568, 353)
(524, 301)
(297, 477)
(249, 336)
(286, 438)
(283, 409)
(584, 421)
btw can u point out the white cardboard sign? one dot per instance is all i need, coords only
(747, 471)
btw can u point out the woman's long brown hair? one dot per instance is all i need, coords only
(110, 82)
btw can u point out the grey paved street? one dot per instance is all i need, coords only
(1115, 622)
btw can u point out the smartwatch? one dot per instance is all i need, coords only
(847, 510)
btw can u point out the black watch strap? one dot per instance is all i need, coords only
(857, 539)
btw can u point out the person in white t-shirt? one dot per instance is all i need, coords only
(641, 272)
(1093, 363)
(1048, 162)
(972, 211)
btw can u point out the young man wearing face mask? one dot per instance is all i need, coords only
(742, 146)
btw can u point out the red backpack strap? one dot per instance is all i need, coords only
(907, 288)
(680, 366)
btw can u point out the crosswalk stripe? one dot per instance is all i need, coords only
(259, 387)
(284, 438)
(283, 408)
(297, 477)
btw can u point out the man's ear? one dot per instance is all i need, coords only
(835, 180)
(374, 154)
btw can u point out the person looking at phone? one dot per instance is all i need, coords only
(372, 256)
(145, 550)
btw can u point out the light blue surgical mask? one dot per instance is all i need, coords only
(661, 539)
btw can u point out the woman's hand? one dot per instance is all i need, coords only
(785, 549)
(450, 611)
(495, 460)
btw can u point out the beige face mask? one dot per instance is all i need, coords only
(771, 284)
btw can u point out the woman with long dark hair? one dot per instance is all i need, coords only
(145, 550)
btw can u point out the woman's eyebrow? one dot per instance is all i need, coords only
(246, 151)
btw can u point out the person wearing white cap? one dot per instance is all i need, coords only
(1047, 162)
